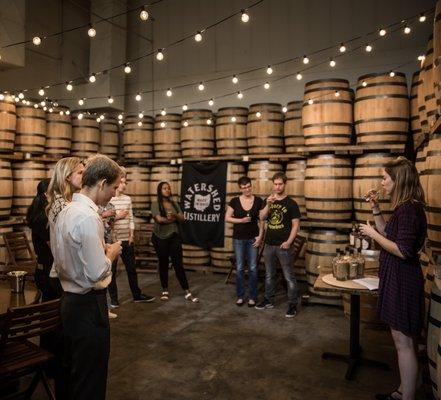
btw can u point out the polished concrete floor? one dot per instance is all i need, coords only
(216, 350)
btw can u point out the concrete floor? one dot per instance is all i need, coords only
(216, 350)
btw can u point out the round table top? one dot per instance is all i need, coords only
(349, 284)
(11, 300)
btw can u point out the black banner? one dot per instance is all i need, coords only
(203, 190)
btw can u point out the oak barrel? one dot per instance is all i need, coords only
(197, 133)
(109, 137)
(85, 136)
(231, 131)
(138, 140)
(30, 135)
(292, 127)
(8, 122)
(167, 136)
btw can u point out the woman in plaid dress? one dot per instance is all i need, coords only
(401, 289)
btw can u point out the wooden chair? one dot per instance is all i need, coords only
(18, 356)
(20, 255)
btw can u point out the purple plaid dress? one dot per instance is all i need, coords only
(401, 291)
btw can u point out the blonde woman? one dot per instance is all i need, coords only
(401, 290)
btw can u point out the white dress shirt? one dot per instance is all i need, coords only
(79, 254)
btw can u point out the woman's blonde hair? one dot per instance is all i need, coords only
(407, 186)
(59, 183)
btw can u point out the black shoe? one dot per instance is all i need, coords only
(144, 299)
(389, 396)
(292, 311)
(265, 304)
(114, 304)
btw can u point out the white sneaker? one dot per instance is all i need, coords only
(112, 315)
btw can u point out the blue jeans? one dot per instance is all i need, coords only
(285, 257)
(244, 250)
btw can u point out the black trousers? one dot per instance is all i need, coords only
(128, 257)
(87, 343)
(170, 248)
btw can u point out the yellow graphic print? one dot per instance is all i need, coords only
(276, 216)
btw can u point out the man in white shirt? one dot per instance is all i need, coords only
(83, 264)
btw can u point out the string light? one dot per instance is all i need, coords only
(299, 76)
(91, 31)
(16, 99)
(92, 78)
(2, 97)
(210, 102)
(258, 114)
(310, 101)
(141, 115)
(127, 68)
(185, 123)
(269, 70)
(160, 55)
(422, 18)
(120, 116)
(143, 14)
(337, 93)
(368, 48)
(342, 48)
(364, 83)
(305, 60)
(101, 116)
(98, 120)
(36, 40)
(163, 112)
(139, 123)
(51, 109)
(198, 36)
(67, 112)
(69, 87)
(169, 93)
(244, 17)
(391, 74)
(61, 112)
(209, 122)
(138, 97)
(120, 122)
(28, 103)
(233, 119)
(421, 57)
(201, 87)
(45, 108)
(110, 99)
(81, 102)
(43, 103)
(235, 79)
(184, 107)
(41, 92)
(35, 105)
(382, 32)
(80, 116)
(332, 63)
(407, 30)
(285, 109)
(239, 95)
(266, 85)
(163, 124)
(21, 96)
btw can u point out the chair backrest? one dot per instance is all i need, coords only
(30, 321)
(20, 254)
(297, 245)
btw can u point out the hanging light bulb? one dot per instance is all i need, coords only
(235, 79)
(43, 103)
(36, 40)
(310, 101)
(80, 116)
(299, 76)
(201, 87)
(35, 105)
(120, 122)
(163, 124)
(258, 114)
(16, 99)
(102, 117)
(368, 48)
(210, 102)
(41, 92)
(305, 60)
(233, 119)
(28, 103)
(21, 95)
(127, 68)
(45, 108)
(364, 83)
(382, 32)
(342, 48)
(92, 78)
(421, 57)
(209, 122)
(239, 95)
(61, 112)
(422, 18)
(266, 85)
(141, 115)
(91, 31)
(110, 99)
(332, 63)
(185, 123)
(143, 14)
(407, 30)
(138, 97)
(139, 123)
(284, 109)
(198, 36)
(269, 70)
(392, 74)
(244, 17)
(55, 104)
(98, 120)
(163, 112)
(120, 116)
(2, 97)
(23, 101)
(337, 93)
(69, 86)
(51, 109)
(160, 55)
(81, 102)
(185, 107)
(169, 93)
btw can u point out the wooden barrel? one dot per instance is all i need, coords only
(428, 112)
(295, 186)
(167, 136)
(299, 265)
(85, 136)
(138, 140)
(327, 112)
(6, 189)
(421, 164)
(109, 138)
(197, 133)
(231, 131)
(292, 127)
(433, 191)
(165, 173)
(381, 109)
(26, 176)
(138, 182)
(320, 250)
(261, 173)
(428, 271)
(434, 337)
(195, 258)
(265, 129)
(8, 122)
(415, 122)
(30, 135)
(3, 251)
(328, 188)
(368, 173)
(220, 255)
(58, 132)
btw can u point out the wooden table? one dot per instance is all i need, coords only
(9, 300)
(354, 358)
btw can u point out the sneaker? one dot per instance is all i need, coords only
(251, 303)
(292, 311)
(240, 302)
(265, 304)
(143, 298)
(114, 304)
(112, 315)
